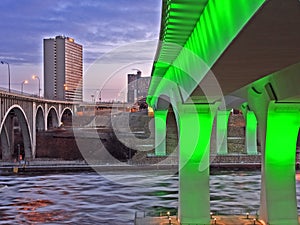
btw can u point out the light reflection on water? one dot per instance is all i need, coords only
(88, 198)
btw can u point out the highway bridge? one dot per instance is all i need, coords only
(30, 115)
(215, 55)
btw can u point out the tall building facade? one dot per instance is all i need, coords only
(137, 86)
(63, 69)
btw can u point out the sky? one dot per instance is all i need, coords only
(118, 37)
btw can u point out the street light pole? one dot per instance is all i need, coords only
(37, 77)
(3, 62)
(22, 85)
(98, 94)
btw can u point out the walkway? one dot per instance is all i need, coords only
(156, 221)
(220, 220)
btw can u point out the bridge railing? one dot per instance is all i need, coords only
(25, 95)
(13, 91)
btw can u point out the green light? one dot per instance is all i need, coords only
(251, 133)
(221, 135)
(279, 166)
(283, 120)
(206, 34)
(160, 119)
(195, 124)
(217, 24)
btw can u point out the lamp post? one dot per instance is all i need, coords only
(98, 94)
(34, 77)
(22, 85)
(8, 67)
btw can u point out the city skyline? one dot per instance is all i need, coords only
(100, 26)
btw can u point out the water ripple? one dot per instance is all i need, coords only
(88, 198)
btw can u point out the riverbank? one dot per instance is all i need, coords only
(154, 163)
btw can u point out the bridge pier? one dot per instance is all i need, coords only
(195, 126)
(278, 170)
(45, 116)
(34, 122)
(160, 120)
(11, 133)
(221, 132)
(278, 125)
(250, 130)
(5, 144)
(8, 138)
(251, 133)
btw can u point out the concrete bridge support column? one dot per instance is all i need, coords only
(9, 128)
(279, 206)
(160, 119)
(221, 132)
(45, 117)
(251, 133)
(195, 126)
(59, 114)
(34, 119)
(6, 153)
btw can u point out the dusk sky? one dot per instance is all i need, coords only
(110, 29)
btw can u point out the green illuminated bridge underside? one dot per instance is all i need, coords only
(240, 41)
(243, 53)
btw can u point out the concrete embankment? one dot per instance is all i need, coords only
(152, 163)
(77, 166)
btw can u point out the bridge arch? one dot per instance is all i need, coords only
(66, 116)
(169, 116)
(18, 112)
(52, 118)
(40, 118)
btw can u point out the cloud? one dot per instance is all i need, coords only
(111, 32)
(97, 25)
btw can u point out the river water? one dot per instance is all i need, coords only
(112, 198)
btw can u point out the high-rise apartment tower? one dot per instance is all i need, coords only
(63, 69)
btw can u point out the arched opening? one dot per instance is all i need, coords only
(66, 118)
(40, 122)
(15, 136)
(172, 135)
(236, 133)
(237, 190)
(52, 119)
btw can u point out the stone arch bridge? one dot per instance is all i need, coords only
(26, 116)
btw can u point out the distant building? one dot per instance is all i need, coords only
(63, 69)
(137, 86)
